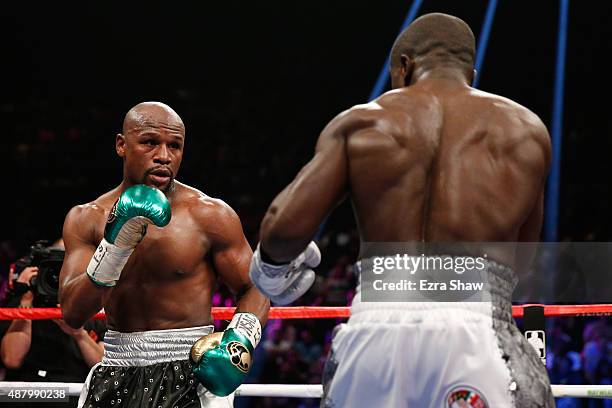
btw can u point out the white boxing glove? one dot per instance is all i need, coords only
(285, 283)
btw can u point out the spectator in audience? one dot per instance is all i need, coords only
(307, 348)
(48, 350)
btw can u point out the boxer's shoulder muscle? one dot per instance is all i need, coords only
(370, 118)
(503, 108)
(84, 220)
(524, 136)
(359, 117)
(369, 127)
(212, 215)
(389, 113)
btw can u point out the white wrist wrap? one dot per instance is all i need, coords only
(276, 281)
(107, 263)
(247, 324)
(267, 277)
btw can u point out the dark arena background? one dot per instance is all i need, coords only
(255, 83)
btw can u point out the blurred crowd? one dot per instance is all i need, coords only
(294, 351)
(579, 351)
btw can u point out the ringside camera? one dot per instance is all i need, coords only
(44, 286)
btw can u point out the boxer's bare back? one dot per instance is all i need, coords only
(433, 160)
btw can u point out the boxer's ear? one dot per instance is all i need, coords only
(407, 65)
(120, 145)
(401, 74)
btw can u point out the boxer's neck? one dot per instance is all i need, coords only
(450, 75)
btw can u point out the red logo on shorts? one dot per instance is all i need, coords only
(465, 397)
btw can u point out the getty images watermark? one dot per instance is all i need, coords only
(413, 264)
(470, 271)
(403, 277)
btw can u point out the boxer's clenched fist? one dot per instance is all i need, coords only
(285, 283)
(127, 223)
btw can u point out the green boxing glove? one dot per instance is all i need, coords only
(136, 208)
(222, 360)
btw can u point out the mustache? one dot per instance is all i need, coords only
(160, 169)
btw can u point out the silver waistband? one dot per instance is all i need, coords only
(150, 347)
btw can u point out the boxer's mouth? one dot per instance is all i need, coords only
(160, 176)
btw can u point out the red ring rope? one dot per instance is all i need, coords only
(314, 312)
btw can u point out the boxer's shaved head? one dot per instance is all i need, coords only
(152, 114)
(439, 37)
(151, 145)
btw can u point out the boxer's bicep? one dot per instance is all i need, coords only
(318, 187)
(230, 252)
(531, 228)
(539, 165)
(79, 297)
(79, 249)
(231, 255)
(231, 261)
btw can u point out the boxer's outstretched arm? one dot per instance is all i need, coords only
(296, 213)
(80, 298)
(231, 255)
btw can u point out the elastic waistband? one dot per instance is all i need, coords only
(438, 290)
(150, 347)
(418, 312)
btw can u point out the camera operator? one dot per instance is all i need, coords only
(47, 350)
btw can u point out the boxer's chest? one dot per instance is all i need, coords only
(176, 251)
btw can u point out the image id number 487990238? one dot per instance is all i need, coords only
(12, 393)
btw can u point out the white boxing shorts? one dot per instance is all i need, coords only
(436, 355)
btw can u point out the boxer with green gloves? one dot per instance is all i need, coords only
(150, 252)
(136, 208)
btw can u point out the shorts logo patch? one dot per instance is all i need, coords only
(240, 356)
(465, 397)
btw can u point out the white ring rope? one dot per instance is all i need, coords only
(304, 390)
(280, 390)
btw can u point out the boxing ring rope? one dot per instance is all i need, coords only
(315, 312)
(302, 390)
